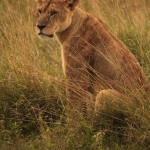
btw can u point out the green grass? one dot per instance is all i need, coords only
(32, 85)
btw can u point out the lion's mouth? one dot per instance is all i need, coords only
(48, 35)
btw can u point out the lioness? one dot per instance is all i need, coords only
(93, 58)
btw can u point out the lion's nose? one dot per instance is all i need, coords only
(41, 26)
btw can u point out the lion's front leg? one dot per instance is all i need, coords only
(78, 84)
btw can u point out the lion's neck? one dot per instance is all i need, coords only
(72, 31)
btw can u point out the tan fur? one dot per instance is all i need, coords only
(93, 58)
(108, 96)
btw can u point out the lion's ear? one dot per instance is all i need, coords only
(71, 4)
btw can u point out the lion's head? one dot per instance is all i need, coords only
(54, 16)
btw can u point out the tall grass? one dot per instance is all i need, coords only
(31, 81)
(32, 85)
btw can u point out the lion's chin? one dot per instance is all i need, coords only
(45, 35)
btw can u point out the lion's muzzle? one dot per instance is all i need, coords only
(50, 36)
(41, 27)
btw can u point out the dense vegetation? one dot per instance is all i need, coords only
(32, 85)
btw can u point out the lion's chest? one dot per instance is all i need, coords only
(76, 57)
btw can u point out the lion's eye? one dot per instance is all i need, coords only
(39, 11)
(70, 5)
(53, 13)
